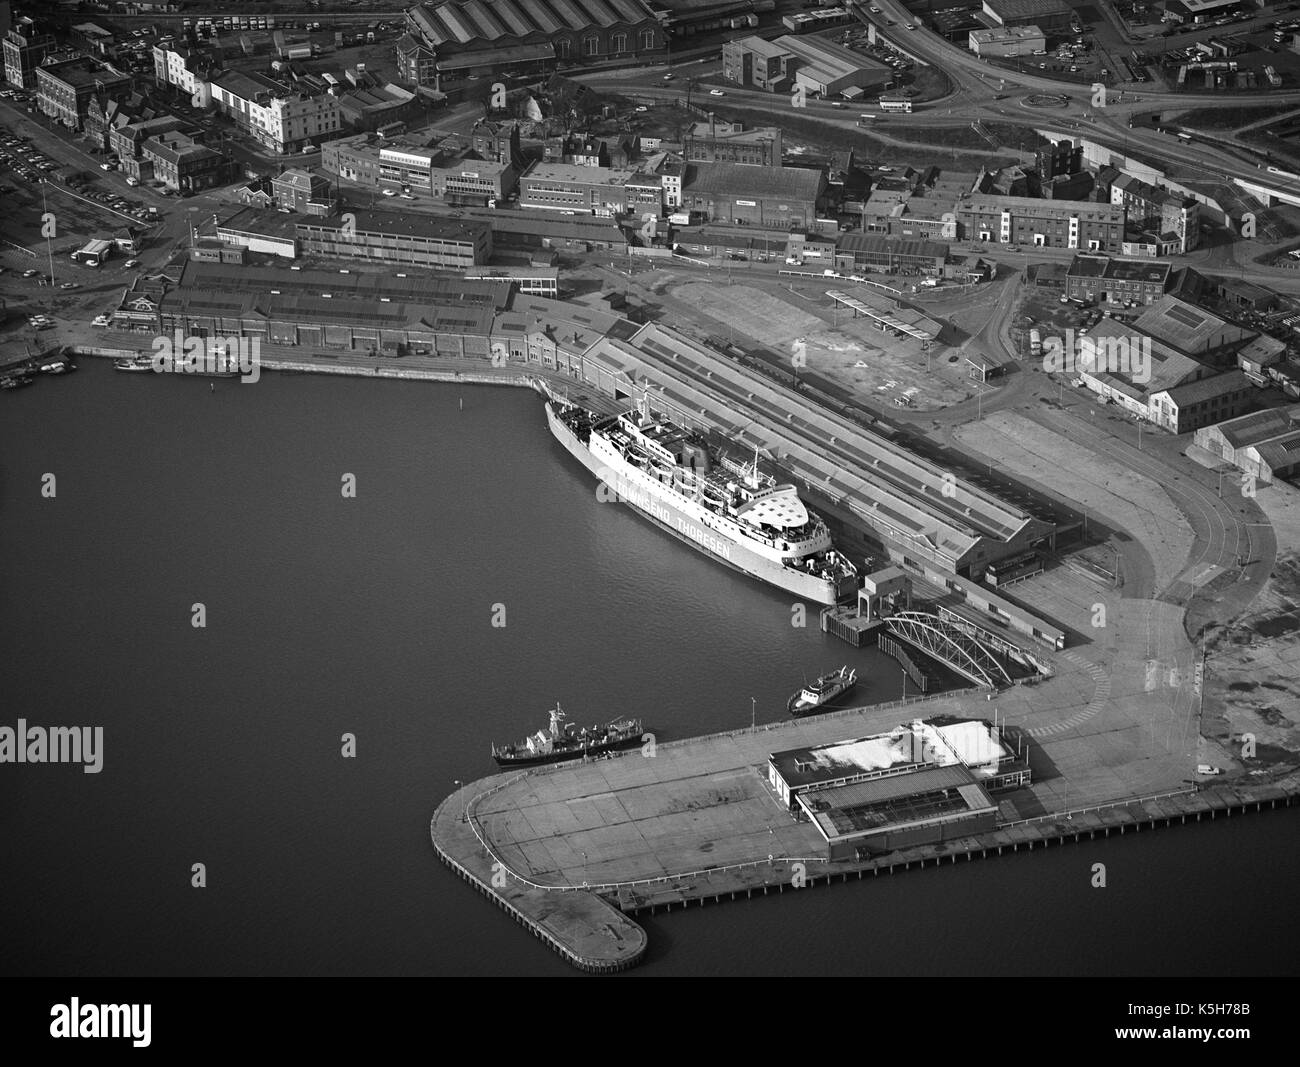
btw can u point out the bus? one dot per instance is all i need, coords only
(901, 106)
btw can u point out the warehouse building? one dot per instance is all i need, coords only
(1264, 444)
(1037, 223)
(922, 782)
(1118, 281)
(858, 252)
(1202, 10)
(393, 237)
(819, 65)
(1051, 16)
(586, 32)
(782, 198)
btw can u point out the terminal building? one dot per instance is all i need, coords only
(925, 781)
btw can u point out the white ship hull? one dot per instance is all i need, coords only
(689, 522)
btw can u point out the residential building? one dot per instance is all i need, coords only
(183, 164)
(1172, 218)
(1042, 223)
(185, 68)
(302, 191)
(416, 63)
(64, 89)
(25, 48)
(281, 117)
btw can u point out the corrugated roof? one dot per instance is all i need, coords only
(737, 179)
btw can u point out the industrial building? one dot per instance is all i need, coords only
(730, 142)
(1119, 281)
(1264, 444)
(1192, 330)
(1007, 41)
(1051, 16)
(397, 164)
(782, 198)
(858, 252)
(922, 782)
(490, 31)
(1202, 10)
(603, 191)
(394, 237)
(1042, 223)
(819, 65)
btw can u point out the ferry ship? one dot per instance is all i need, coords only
(826, 690)
(134, 364)
(560, 741)
(729, 510)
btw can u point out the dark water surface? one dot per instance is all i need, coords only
(373, 616)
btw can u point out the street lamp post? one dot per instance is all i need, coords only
(753, 713)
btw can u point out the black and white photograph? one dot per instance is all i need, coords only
(612, 489)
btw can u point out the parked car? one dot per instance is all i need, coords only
(716, 92)
(131, 263)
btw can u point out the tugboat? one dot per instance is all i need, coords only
(826, 690)
(560, 741)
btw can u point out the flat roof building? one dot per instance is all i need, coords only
(394, 237)
(1007, 41)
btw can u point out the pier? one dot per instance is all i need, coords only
(573, 884)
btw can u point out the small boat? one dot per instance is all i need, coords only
(560, 741)
(16, 381)
(134, 365)
(826, 690)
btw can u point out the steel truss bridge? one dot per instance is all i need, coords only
(949, 644)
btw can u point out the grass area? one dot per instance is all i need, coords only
(1227, 117)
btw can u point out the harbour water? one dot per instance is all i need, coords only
(374, 616)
